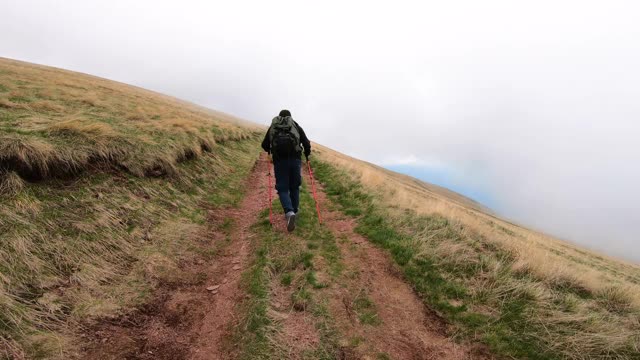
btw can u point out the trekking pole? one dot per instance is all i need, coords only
(270, 196)
(313, 188)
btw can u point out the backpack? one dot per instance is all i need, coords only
(285, 138)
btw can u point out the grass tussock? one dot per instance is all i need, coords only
(616, 299)
(97, 209)
(10, 184)
(97, 245)
(523, 297)
(31, 157)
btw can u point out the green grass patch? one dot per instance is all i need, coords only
(286, 279)
(366, 311)
(254, 341)
(20, 99)
(313, 281)
(289, 261)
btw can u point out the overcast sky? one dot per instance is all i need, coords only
(531, 106)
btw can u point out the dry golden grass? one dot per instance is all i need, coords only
(56, 122)
(10, 184)
(539, 253)
(87, 227)
(77, 249)
(588, 303)
(83, 127)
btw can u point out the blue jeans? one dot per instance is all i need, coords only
(288, 181)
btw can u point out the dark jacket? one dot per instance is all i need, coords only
(304, 141)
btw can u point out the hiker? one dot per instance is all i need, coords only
(285, 140)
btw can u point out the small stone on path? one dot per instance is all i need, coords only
(237, 267)
(213, 287)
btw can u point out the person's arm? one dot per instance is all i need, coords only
(306, 144)
(266, 143)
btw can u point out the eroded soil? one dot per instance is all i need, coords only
(370, 311)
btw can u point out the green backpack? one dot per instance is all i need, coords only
(285, 138)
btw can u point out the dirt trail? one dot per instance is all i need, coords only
(219, 315)
(196, 320)
(192, 321)
(404, 328)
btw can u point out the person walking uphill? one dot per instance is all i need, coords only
(285, 141)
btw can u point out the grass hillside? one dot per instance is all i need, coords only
(103, 189)
(523, 293)
(110, 193)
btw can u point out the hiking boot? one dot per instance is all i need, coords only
(291, 221)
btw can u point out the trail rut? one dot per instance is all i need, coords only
(405, 328)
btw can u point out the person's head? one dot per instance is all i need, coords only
(284, 113)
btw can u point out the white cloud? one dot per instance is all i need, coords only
(407, 160)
